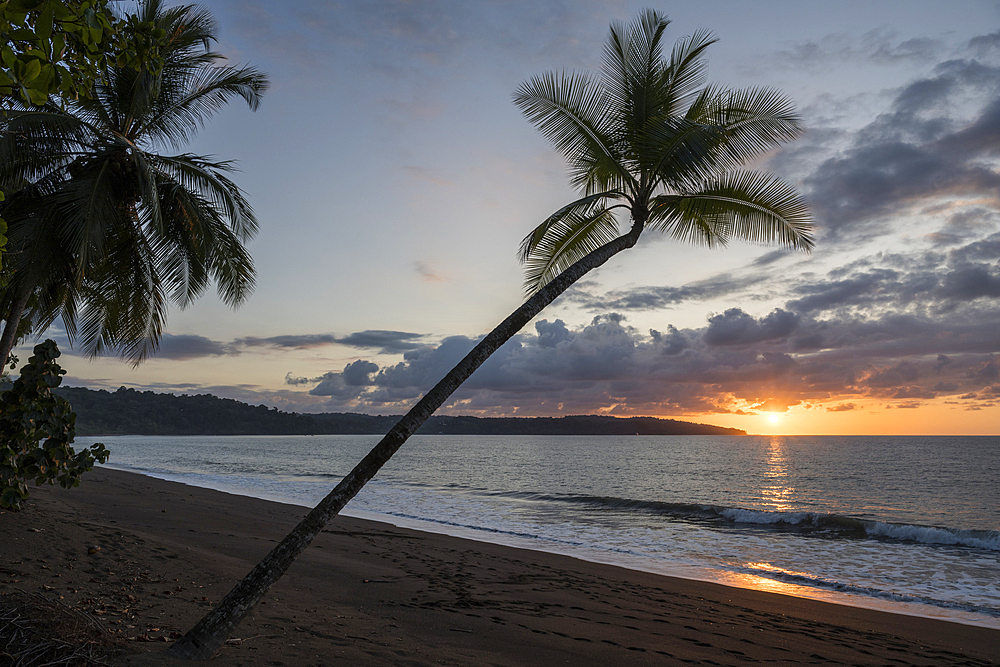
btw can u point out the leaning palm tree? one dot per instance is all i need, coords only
(104, 230)
(649, 146)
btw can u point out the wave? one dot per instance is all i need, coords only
(815, 524)
(814, 581)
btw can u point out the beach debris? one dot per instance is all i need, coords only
(146, 637)
(93, 549)
(35, 630)
(236, 641)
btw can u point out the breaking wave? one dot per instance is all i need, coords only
(810, 523)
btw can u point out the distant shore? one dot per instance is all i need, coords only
(367, 593)
(131, 412)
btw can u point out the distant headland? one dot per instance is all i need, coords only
(131, 412)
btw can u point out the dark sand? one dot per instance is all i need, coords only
(367, 593)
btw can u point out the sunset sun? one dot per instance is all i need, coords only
(774, 419)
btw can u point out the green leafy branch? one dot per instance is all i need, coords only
(62, 47)
(37, 428)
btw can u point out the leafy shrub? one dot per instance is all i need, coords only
(36, 430)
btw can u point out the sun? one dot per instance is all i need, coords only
(774, 419)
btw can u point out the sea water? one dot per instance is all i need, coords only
(905, 524)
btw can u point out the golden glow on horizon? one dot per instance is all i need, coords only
(863, 417)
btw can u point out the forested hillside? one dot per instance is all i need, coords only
(131, 412)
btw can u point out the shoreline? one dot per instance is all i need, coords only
(627, 560)
(378, 594)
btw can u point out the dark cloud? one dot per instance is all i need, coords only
(672, 343)
(915, 154)
(387, 342)
(185, 347)
(299, 381)
(737, 363)
(550, 335)
(735, 327)
(862, 288)
(878, 46)
(657, 297)
(334, 385)
(972, 282)
(303, 342)
(358, 373)
(982, 45)
(988, 371)
(899, 374)
(173, 347)
(771, 257)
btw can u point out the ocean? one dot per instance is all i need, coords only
(904, 524)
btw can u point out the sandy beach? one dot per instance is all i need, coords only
(148, 557)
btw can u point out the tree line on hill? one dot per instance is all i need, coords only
(130, 412)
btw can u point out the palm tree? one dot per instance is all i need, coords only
(106, 232)
(645, 139)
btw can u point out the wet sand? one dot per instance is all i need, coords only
(147, 558)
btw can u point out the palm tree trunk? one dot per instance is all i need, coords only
(11, 323)
(211, 632)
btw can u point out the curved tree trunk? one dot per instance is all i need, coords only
(201, 641)
(12, 321)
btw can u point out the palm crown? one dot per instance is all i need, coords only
(647, 136)
(107, 232)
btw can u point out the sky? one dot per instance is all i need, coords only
(394, 179)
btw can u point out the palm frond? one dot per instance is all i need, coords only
(755, 121)
(686, 72)
(122, 312)
(565, 237)
(182, 245)
(89, 205)
(568, 109)
(582, 205)
(34, 143)
(176, 118)
(206, 177)
(631, 73)
(747, 205)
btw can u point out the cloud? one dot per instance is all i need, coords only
(983, 45)
(296, 342)
(184, 347)
(879, 46)
(428, 272)
(590, 298)
(737, 363)
(917, 153)
(299, 381)
(187, 347)
(358, 373)
(388, 342)
(972, 282)
(735, 327)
